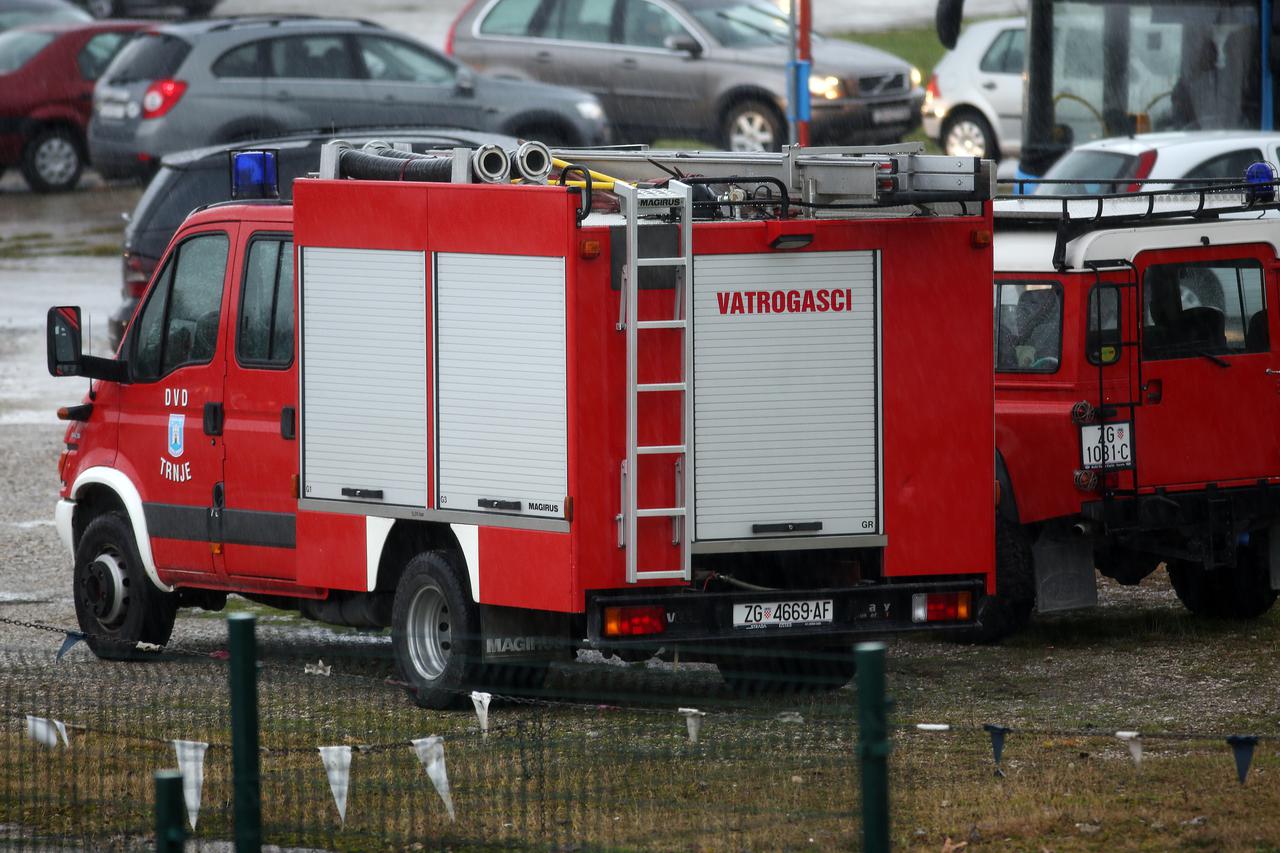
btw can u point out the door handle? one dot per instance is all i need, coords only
(1154, 390)
(988, 85)
(542, 56)
(213, 419)
(629, 63)
(1271, 372)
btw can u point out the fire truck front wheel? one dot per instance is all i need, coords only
(1241, 593)
(117, 606)
(434, 630)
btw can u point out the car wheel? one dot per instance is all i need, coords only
(1241, 593)
(103, 8)
(967, 134)
(52, 162)
(434, 631)
(753, 126)
(117, 606)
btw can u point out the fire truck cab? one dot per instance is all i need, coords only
(623, 409)
(1137, 392)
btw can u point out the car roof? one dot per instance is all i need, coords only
(1177, 139)
(263, 22)
(108, 25)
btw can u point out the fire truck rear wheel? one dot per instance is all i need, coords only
(1241, 593)
(434, 630)
(1009, 610)
(117, 606)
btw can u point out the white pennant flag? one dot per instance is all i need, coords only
(191, 765)
(693, 720)
(1133, 740)
(431, 753)
(337, 764)
(481, 701)
(46, 731)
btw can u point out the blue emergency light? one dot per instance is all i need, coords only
(1263, 177)
(253, 175)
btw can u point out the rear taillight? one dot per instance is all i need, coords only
(453, 28)
(634, 621)
(161, 96)
(137, 272)
(1146, 162)
(932, 89)
(941, 606)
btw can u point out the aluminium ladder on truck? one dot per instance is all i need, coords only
(634, 202)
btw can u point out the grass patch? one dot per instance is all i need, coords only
(917, 45)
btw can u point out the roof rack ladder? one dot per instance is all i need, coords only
(634, 201)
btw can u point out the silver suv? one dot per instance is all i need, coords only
(209, 82)
(712, 69)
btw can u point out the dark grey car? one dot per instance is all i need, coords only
(713, 69)
(208, 82)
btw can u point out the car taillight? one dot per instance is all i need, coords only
(932, 89)
(634, 621)
(1146, 162)
(941, 606)
(161, 96)
(137, 272)
(453, 28)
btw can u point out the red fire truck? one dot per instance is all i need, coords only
(736, 414)
(1137, 389)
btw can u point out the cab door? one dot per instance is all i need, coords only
(259, 520)
(1209, 398)
(170, 411)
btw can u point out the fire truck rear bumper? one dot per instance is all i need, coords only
(710, 617)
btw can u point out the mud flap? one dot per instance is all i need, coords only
(1274, 556)
(510, 634)
(1065, 578)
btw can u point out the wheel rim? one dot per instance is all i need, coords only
(429, 632)
(966, 139)
(56, 160)
(105, 589)
(751, 131)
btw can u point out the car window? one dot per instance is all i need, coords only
(395, 60)
(512, 18)
(1211, 308)
(1028, 326)
(647, 25)
(1006, 53)
(584, 20)
(1102, 340)
(1086, 172)
(242, 61)
(98, 52)
(150, 56)
(10, 18)
(264, 335)
(747, 23)
(320, 57)
(1230, 166)
(179, 323)
(18, 47)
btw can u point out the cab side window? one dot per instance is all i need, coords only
(1205, 308)
(1102, 340)
(179, 324)
(1005, 54)
(264, 333)
(1028, 326)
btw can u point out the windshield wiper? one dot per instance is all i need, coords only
(765, 31)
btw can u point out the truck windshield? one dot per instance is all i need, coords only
(1028, 326)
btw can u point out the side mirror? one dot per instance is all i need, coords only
(947, 21)
(683, 44)
(62, 341)
(464, 82)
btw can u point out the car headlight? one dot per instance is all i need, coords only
(916, 77)
(825, 87)
(590, 110)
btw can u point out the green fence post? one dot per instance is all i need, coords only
(171, 831)
(873, 747)
(244, 733)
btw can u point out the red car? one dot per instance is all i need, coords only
(47, 74)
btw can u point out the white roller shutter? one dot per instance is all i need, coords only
(500, 338)
(364, 375)
(786, 408)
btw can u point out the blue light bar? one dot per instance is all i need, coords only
(1264, 176)
(253, 175)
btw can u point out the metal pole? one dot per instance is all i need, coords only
(792, 74)
(247, 797)
(873, 747)
(171, 832)
(805, 57)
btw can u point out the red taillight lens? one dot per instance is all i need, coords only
(932, 89)
(161, 96)
(1146, 162)
(137, 272)
(453, 28)
(941, 607)
(634, 621)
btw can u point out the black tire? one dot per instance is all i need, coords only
(752, 125)
(965, 133)
(1241, 593)
(117, 605)
(790, 669)
(1009, 610)
(435, 631)
(52, 161)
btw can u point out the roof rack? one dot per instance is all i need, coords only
(1074, 216)
(276, 19)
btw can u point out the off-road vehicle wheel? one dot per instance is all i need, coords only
(788, 669)
(1241, 593)
(435, 631)
(117, 605)
(1009, 610)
